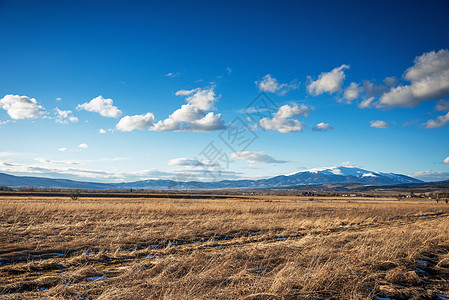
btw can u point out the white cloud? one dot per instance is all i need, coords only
(64, 116)
(102, 106)
(63, 149)
(438, 122)
(58, 99)
(21, 107)
(186, 162)
(203, 99)
(293, 111)
(379, 124)
(256, 157)
(352, 92)
(209, 122)
(56, 162)
(367, 103)
(446, 160)
(428, 77)
(322, 127)
(431, 176)
(442, 105)
(83, 146)
(390, 81)
(329, 82)
(101, 131)
(185, 92)
(193, 116)
(270, 84)
(172, 75)
(130, 123)
(282, 120)
(282, 125)
(373, 90)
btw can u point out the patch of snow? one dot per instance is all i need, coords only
(369, 175)
(336, 171)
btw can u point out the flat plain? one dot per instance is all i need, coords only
(252, 247)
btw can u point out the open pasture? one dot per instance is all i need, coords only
(255, 247)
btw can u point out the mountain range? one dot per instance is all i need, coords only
(318, 176)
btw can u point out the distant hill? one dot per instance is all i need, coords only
(320, 176)
(40, 182)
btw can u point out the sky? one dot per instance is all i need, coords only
(112, 91)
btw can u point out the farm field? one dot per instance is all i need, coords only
(254, 247)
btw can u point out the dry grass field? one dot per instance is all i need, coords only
(262, 247)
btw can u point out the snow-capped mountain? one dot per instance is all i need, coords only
(349, 174)
(329, 175)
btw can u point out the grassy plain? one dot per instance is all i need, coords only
(258, 247)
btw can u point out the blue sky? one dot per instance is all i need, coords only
(130, 90)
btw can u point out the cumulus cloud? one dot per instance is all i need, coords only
(21, 107)
(102, 106)
(282, 125)
(130, 123)
(446, 160)
(187, 162)
(101, 131)
(373, 90)
(390, 81)
(367, 103)
(293, 111)
(428, 77)
(322, 127)
(352, 92)
(63, 149)
(58, 99)
(256, 157)
(283, 120)
(203, 99)
(193, 116)
(64, 116)
(83, 146)
(379, 124)
(329, 82)
(209, 122)
(442, 105)
(438, 122)
(270, 84)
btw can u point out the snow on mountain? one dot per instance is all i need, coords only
(350, 174)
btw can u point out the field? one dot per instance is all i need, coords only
(255, 247)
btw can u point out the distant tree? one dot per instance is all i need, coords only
(74, 195)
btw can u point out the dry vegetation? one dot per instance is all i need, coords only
(237, 248)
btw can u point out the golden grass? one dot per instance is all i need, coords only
(238, 248)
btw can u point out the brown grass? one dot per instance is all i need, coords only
(260, 248)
